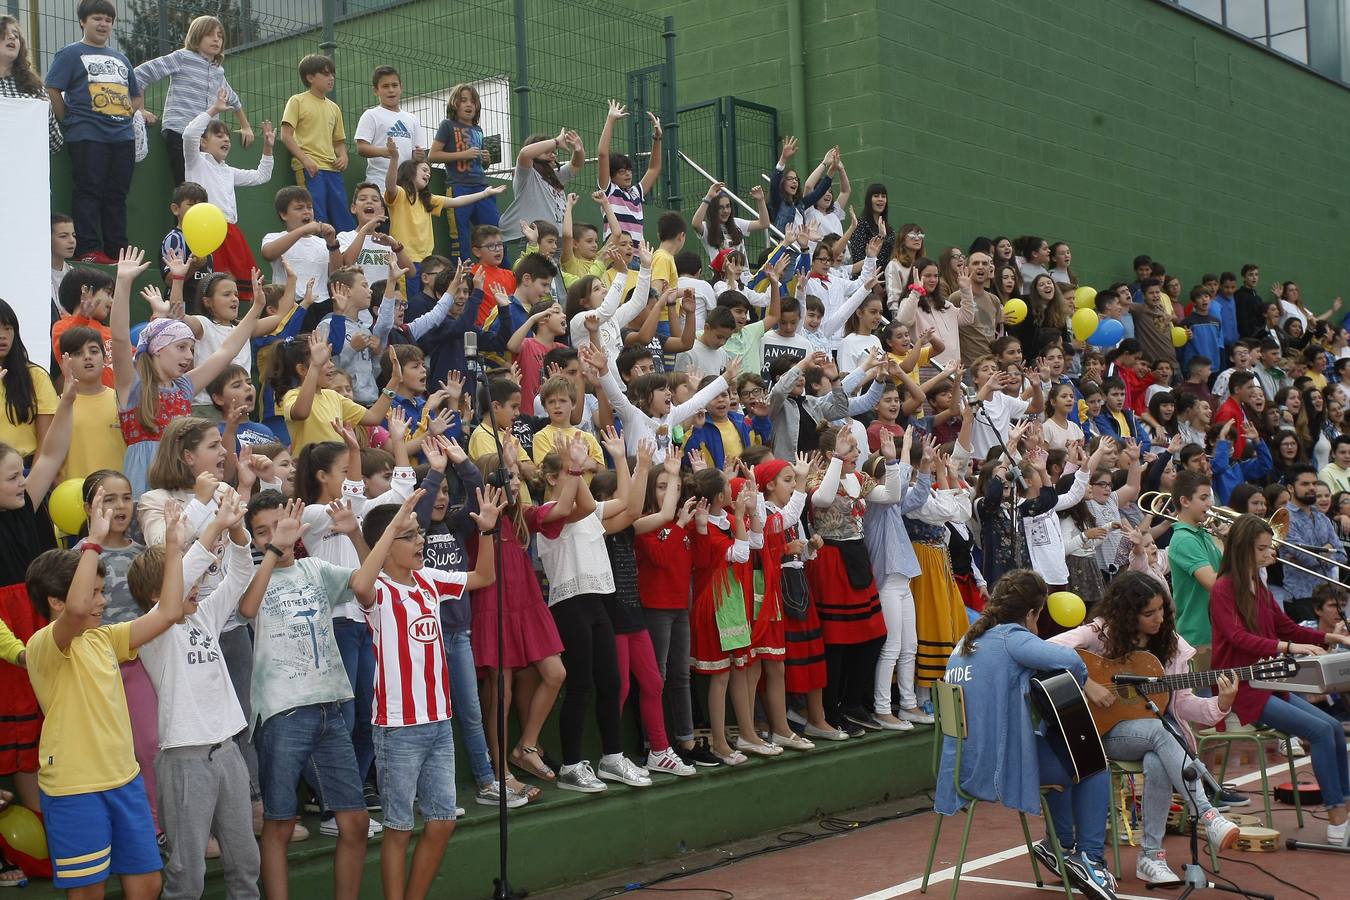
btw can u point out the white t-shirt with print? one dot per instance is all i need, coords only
(308, 258)
(376, 126)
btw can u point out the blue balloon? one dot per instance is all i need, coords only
(1108, 333)
(136, 332)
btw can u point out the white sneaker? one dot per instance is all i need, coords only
(1337, 834)
(1295, 748)
(668, 763)
(580, 777)
(915, 715)
(1221, 833)
(1152, 869)
(329, 827)
(624, 770)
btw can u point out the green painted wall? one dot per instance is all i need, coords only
(1122, 126)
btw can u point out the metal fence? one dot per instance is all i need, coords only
(539, 65)
(734, 140)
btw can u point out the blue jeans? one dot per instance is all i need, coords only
(317, 739)
(416, 762)
(1325, 738)
(1080, 809)
(330, 199)
(358, 658)
(480, 212)
(464, 702)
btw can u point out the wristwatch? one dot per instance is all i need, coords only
(388, 392)
(273, 548)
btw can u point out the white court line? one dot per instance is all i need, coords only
(1053, 888)
(972, 865)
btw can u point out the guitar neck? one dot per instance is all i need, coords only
(1187, 680)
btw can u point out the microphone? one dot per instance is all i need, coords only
(471, 347)
(971, 396)
(1135, 679)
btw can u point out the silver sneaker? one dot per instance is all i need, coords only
(625, 771)
(580, 777)
(489, 795)
(1152, 869)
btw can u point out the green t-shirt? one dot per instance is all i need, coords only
(1191, 549)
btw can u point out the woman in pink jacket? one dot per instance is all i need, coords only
(920, 308)
(1134, 614)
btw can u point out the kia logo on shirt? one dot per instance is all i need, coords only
(424, 629)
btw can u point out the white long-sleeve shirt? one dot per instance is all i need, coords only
(638, 426)
(219, 178)
(613, 313)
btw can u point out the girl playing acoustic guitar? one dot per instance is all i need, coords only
(1133, 615)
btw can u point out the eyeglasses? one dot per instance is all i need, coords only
(496, 246)
(411, 537)
(917, 235)
(1101, 484)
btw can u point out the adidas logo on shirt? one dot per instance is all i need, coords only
(399, 130)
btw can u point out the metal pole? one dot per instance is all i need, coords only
(163, 37)
(670, 123)
(35, 33)
(329, 43)
(734, 199)
(797, 75)
(522, 89)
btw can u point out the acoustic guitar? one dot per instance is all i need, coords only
(1058, 699)
(1129, 705)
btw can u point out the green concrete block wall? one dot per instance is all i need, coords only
(1122, 126)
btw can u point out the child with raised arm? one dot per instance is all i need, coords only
(310, 247)
(411, 203)
(156, 379)
(616, 173)
(93, 802)
(196, 76)
(200, 771)
(301, 372)
(414, 744)
(300, 688)
(206, 143)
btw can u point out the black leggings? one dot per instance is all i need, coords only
(850, 677)
(592, 662)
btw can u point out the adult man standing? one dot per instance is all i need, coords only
(977, 336)
(1310, 528)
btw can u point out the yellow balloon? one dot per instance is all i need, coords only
(66, 505)
(1067, 608)
(1179, 336)
(1084, 298)
(21, 831)
(1084, 323)
(1015, 310)
(204, 229)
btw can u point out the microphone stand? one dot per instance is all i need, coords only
(501, 886)
(1195, 877)
(1019, 484)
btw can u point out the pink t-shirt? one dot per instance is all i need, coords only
(531, 360)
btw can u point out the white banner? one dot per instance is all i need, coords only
(25, 226)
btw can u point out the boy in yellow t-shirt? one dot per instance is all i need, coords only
(96, 442)
(93, 799)
(311, 129)
(558, 396)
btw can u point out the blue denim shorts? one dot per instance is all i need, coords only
(91, 836)
(288, 740)
(416, 762)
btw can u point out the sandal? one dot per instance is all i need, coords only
(536, 766)
(530, 792)
(8, 868)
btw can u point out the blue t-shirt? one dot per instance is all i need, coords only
(98, 84)
(456, 137)
(250, 433)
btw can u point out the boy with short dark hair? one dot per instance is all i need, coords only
(707, 355)
(310, 246)
(63, 249)
(184, 197)
(387, 121)
(1193, 557)
(311, 129)
(94, 804)
(97, 441)
(86, 298)
(93, 90)
(489, 249)
(548, 324)
(616, 174)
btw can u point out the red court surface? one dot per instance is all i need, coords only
(887, 860)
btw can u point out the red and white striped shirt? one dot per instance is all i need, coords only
(412, 681)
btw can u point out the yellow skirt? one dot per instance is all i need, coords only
(939, 614)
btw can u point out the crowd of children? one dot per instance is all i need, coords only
(799, 478)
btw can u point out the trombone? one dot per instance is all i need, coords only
(1155, 503)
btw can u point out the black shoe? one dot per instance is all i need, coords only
(863, 719)
(372, 797)
(1045, 855)
(698, 755)
(1226, 799)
